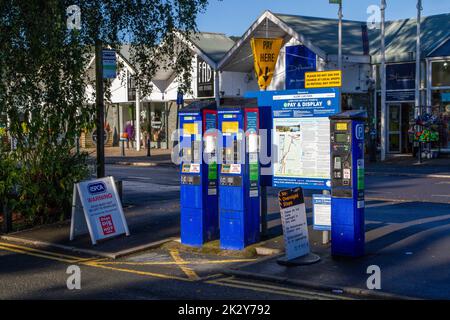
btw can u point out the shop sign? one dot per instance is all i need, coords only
(205, 79)
(401, 76)
(299, 59)
(400, 96)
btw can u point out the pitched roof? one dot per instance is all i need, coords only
(323, 33)
(400, 35)
(213, 45)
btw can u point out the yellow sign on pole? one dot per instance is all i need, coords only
(265, 55)
(323, 79)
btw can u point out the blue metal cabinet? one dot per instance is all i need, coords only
(239, 174)
(347, 184)
(198, 189)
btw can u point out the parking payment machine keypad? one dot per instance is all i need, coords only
(341, 162)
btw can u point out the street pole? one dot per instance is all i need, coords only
(166, 123)
(137, 127)
(340, 36)
(417, 109)
(100, 122)
(149, 129)
(383, 83)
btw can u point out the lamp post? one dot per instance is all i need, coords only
(383, 83)
(417, 109)
(340, 36)
(149, 129)
(100, 119)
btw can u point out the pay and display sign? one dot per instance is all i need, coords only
(301, 135)
(97, 210)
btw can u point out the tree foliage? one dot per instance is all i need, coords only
(43, 81)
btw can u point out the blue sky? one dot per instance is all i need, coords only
(233, 17)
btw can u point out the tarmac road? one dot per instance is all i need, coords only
(30, 273)
(143, 185)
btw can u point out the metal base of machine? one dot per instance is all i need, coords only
(310, 258)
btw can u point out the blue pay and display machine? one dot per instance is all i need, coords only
(347, 183)
(239, 191)
(198, 190)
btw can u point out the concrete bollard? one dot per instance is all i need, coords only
(7, 219)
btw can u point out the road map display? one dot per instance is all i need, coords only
(303, 147)
(301, 137)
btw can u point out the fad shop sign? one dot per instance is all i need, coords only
(97, 210)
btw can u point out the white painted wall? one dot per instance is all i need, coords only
(354, 76)
(235, 84)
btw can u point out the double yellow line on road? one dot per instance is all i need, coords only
(92, 262)
(42, 253)
(274, 289)
(178, 261)
(113, 265)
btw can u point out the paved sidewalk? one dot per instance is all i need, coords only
(158, 157)
(407, 165)
(410, 242)
(149, 226)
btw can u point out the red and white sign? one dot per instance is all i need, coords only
(107, 224)
(235, 168)
(97, 209)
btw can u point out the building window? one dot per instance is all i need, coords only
(440, 71)
(441, 108)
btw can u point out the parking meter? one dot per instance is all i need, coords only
(198, 189)
(347, 183)
(239, 189)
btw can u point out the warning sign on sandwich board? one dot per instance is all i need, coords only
(97, 210)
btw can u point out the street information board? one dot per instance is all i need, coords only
(109, 63)
(301, 137)
(96, 208)
(293, 220)
(321, 212)
(323, 79)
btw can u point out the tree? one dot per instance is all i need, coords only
(43, 82)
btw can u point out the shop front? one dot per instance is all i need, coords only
(155, 124)
(400, 107)
(399, 124)
(440, 100)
